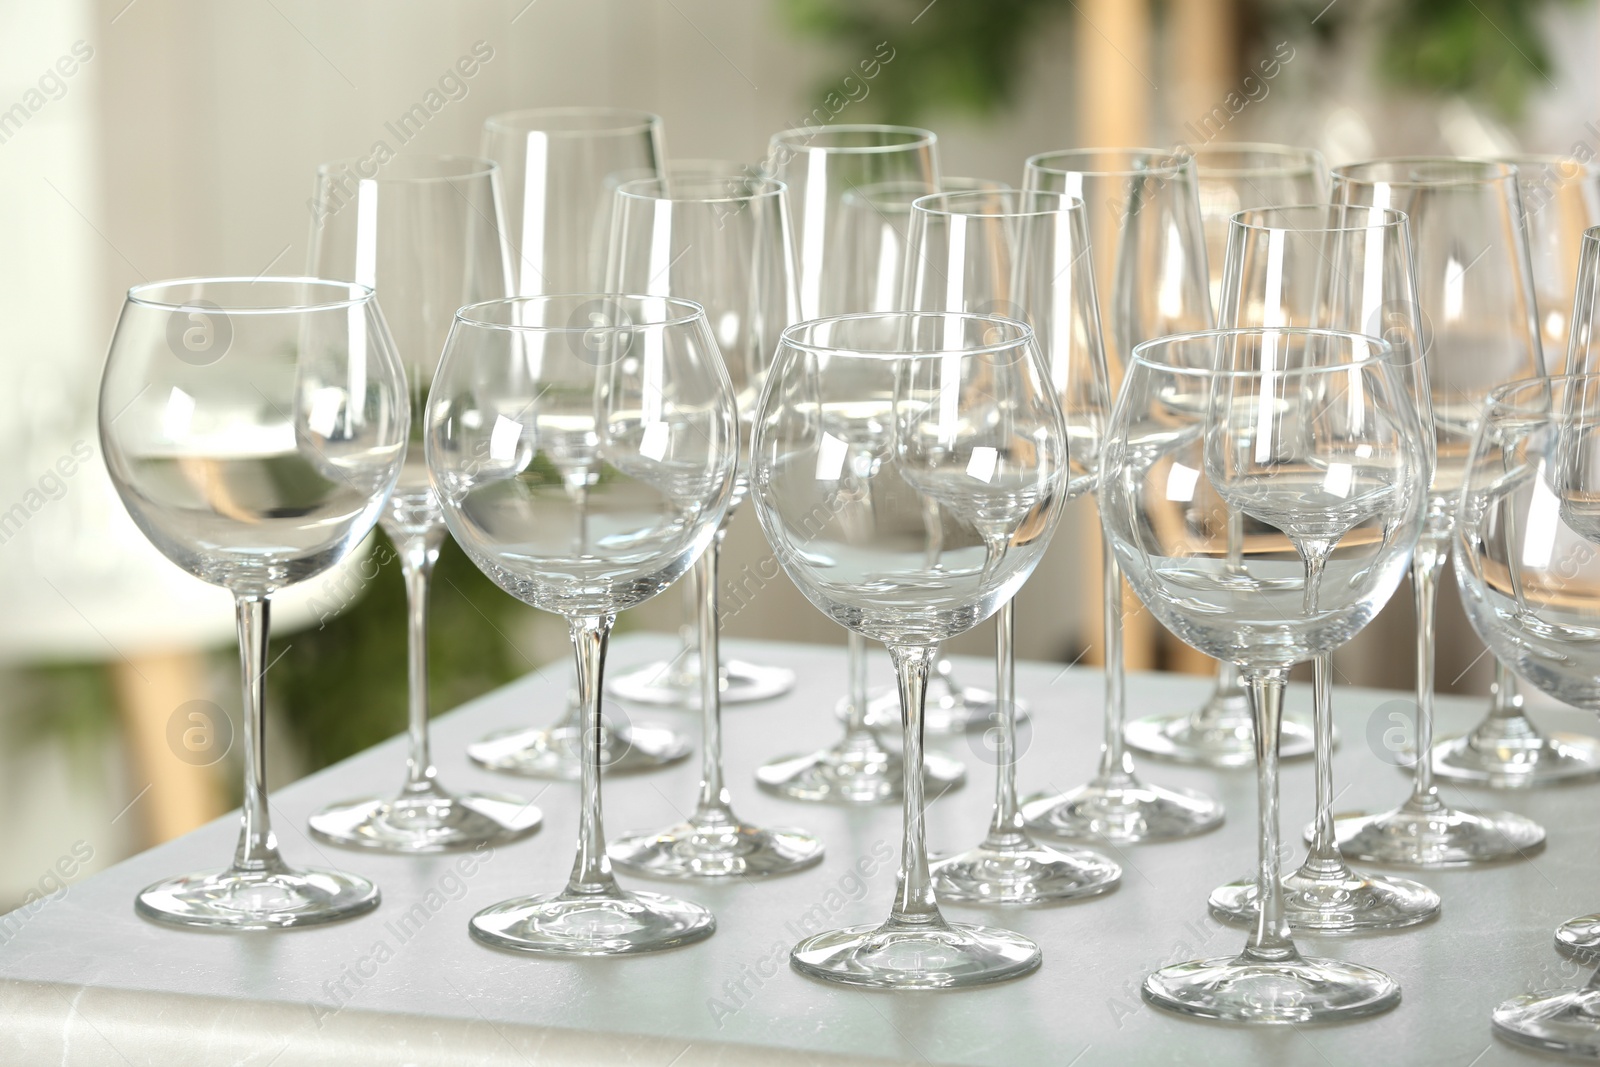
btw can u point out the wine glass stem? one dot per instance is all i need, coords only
(856, 667)
(1116, 765)
(713, 803)
(914, 903)
(591, 871)
(1270, 940)
(419, 551)
(1425, 568)
(1324, 851)
(1005, 830)
(258, 847)
(1505, 699)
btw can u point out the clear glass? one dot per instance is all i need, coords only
(424, 232)
(560, 169)
(909, 469)
(1529, 571)
(254, 428)
(1150, 279)
(1232, 177)
(1023, 256)
(1560, 199)
(1480, 329)
(1341, 267)
(1312, 434)
(583, 449)
(852, 259)
(714, 234)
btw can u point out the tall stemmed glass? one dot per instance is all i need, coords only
(1311, 432)
(1341, 267)
(1526, 561)
(1150, 277)
(1478, 311)
(583, 448)
(425, 233)
(1232, 177)
(1560, 199)
(1024, 256)
(830, 171)
(560, 169)
(253, 428)
(716, 235)
(956, 409)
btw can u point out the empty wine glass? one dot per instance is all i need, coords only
(1313, 433)
(851, 260)
(424, 233)
(1149, 257)
(583, 449)
(560, 169)
(714, 234)
(1232, 177)
(1342, 267)
(1525, 543)
(1560, 199)
(253, 428)
(1481, 330)
(866, 418)
(1024, 256)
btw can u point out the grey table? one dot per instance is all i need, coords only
(85, 982)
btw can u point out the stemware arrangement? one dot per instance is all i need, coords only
(1284, 392)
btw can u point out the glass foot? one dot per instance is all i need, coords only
(1443, 838)
(948, 711)
(1567, 1021)
(574, 924)
(678, 684)
(553, 752)
(1349, 903)
(1580, 939)
(427, 821)
(902, 956)
(257, 900)
(715, 850)
(858, 770)
(1223, 741)
(1023, 874)
(1301, 989)
(1517, 762)
(1122, 814)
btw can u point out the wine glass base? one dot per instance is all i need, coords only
(1224, 742)
(575, 925)
(1302, 989)
(554, 752)
(1567, 1021)
(1580, 939)
(257, 900)
(1517, 763)
(1122, 814)
(1443, 838)
(665, 685)
(1352, 904)
(967, 709)
(433, 821)
(895, 956)
(855, 774)
(716, 850)
(1024, 875)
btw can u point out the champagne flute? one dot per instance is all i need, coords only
(253, 428)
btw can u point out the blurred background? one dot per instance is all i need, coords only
(144, 139)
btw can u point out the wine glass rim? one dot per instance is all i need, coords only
(470, 167)
(1570, 168)
(1488, 170)
(1020, 333)
(1165, 162)
(1248, 219)
(354, 294)
(1500, 396)
(686, 311)
(801, 138)
(1381, 351)
(1288, 158)
(949, 204)
(759, 185)
(527, 120)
